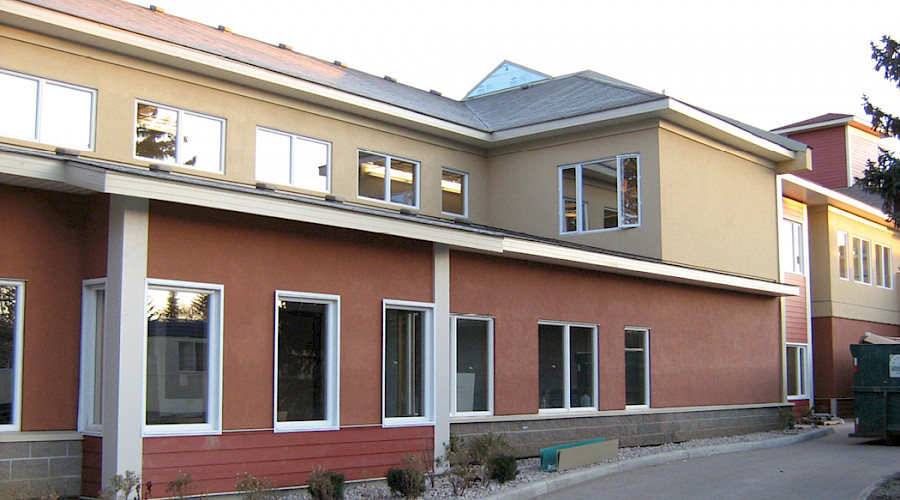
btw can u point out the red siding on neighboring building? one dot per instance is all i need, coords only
(833, 367)
(829, 156)
(705, 344)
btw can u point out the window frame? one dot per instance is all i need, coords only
(333, 359)
(428, 385)
(453, 365)
(844, 259)
(39, 114)
(646, 349)
(803, 353)
(18, 344)
(580, 215)
(567, 368)
(465, 192)
(794, 256)
(862, 260)
(213, 425)
(178, 136)
(88, 396)
(883, 267)
(292, 167)
(417, 174)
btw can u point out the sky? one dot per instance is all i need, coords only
(765, 63)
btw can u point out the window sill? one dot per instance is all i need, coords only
(180, 430)
(284, 427)
(407, 422)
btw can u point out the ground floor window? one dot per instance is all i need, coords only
(408, 378)
(12, 305)
(796, 371)
(473, 365)
(184, 331)
(93, 309)
(567, 361)
(306, 350)
(637, 367)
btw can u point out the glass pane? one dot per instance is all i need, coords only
(453, 195)
(99, 312)
(550, 366)
(302, 370)
(371, 175)
(404, 369)
(472, 362)
(635, 369)
(156, 131)
(177, 351)
(866, 265)
(403, 182)
(66, 115)
(879, 265)
(842, 255)
(570, 216)
(888, 267)
(310, 164)
(201, 143)
(581, 367)
(8, 298)
(273, 157)
(795, 371)
(598, 194)
(630, 201)
(857, 259)
(18, 100)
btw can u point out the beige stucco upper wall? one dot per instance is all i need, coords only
(121, 81)
(719, 208)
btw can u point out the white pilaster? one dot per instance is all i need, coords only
(123, 343)
(441, 348)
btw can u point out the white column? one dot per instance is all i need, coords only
(441, 348)
(123, 343)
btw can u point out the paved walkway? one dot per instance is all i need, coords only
(831, 466)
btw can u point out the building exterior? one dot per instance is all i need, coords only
(222, 256)
(851, 253)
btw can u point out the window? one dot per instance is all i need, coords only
(179, 137)
(473, 365)
(293, 160)
(861, 263)
(12, 306)
(183, 373)
(454, 192)
(93, 308)
(307, 354)
(567, 360)
(602, 194)
(796, 371)
(883, 267)
(46, 111)
(843, 270)
(637, 367)
(792, 246)
(408, 385)
(388, 178)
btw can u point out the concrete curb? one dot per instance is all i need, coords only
(537, 488)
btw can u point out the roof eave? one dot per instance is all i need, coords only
(813, 194)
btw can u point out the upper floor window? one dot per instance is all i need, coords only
(454, 192)
(46, 111)
(843, 268)
(862, 260)
(179, 137)
(292, 160)
(388, 178)
(883, 268)
(792, 246)
(602, 194)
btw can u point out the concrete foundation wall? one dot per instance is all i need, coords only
(40, 468)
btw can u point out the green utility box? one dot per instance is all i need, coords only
(876, 389)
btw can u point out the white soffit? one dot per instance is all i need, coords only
(811, 193)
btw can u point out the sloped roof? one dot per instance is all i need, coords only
(856, 192)
(506, 75)
(827, 117)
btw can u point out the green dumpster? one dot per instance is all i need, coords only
(876, 390)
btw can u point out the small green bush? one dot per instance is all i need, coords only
(503, 468)
(407, 481)
(326, 485)
(487, 446)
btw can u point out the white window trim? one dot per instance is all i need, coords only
(567, 367)
(428, 359)
(794, 246)
(88, 356)
(465, 192)
(36, 137)
(16, 414)
(886, 267)
(332, 363)
(646, 332)
(490, 368)
(178, 137)
(862, 264)
(214, 362)
(848, 255)
(295, 137)
(580, 215)
(807, 370)
(386, 191)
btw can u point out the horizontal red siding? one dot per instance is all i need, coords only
(796, 315)
(829, 156)
(91, 465)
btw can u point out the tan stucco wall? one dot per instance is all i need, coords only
(718, 209)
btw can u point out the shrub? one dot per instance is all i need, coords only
(253, 488)
(503, 468)
(326, 485)
(462, 471)
(122, 487)
(181, 487)
(407, 481)
(484, 448)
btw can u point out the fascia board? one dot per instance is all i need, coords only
(813, 194)
(851, 121)
(34, 167)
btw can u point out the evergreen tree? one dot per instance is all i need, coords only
(883, 178)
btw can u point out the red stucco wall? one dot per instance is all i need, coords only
(832, 362)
